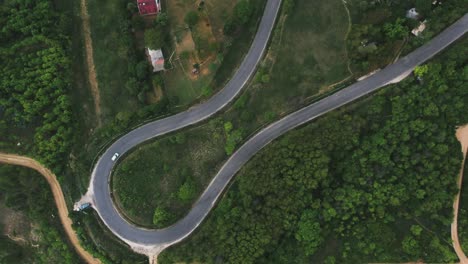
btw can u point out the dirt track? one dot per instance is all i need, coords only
(90, 61)
(462, 136)
(58, 197)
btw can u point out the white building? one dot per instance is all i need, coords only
(417, 31)
(157, 59)
(412, 13)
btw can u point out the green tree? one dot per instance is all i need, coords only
(161, 217)
(421, 70)
(309, 232)
(162, 19)
(187, 191)
(142, 70)
(396, 30)
(416, 230)
(242, 12)
(191, 18)
(228, 127)
(154, 38)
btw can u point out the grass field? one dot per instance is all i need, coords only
(204, 44)
(110, 56)
(158, 170)
(307, 55)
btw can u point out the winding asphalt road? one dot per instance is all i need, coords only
(99, 186)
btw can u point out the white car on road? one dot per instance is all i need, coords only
(116, 155)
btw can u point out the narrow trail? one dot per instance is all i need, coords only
(90, 61)
(58, 198)
(462, 136)
(350, 24)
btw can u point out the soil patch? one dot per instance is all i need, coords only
(90, 61)
(15, 224)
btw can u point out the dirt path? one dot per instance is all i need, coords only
(58, 197)
(90, 61)
(462, 136)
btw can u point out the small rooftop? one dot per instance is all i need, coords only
(148, 7)
(417, 31)
(412, 13)
(157, 59)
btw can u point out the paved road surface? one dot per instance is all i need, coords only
(99, 186)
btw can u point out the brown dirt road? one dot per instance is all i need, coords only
(90, 61)
(462, 136)
(58, 197)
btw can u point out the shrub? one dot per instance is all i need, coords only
(191, 18)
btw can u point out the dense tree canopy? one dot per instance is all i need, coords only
(34, 77)
(358, 186)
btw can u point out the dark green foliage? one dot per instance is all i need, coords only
(374, 184)
(241, 15)
(162, 19)
(309, 232)
(242, 12)
(288, 6)
(187, 191)
(396, 30)
(161, 217)
(154, 38)
(191, 18)
(142, 70)
(10, 252)
(34, 77)
(233, 137)
(242, 101)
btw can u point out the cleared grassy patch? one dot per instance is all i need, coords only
(110, 56)
(307, 55)
(160, 169)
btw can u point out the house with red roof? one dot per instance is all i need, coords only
(149, 7)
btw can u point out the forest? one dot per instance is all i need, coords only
(37, 119)
(373, 182)
(35, 81)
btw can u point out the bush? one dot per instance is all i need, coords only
(191, 18)
(186, 191)
(161, 217)
(154, 38)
